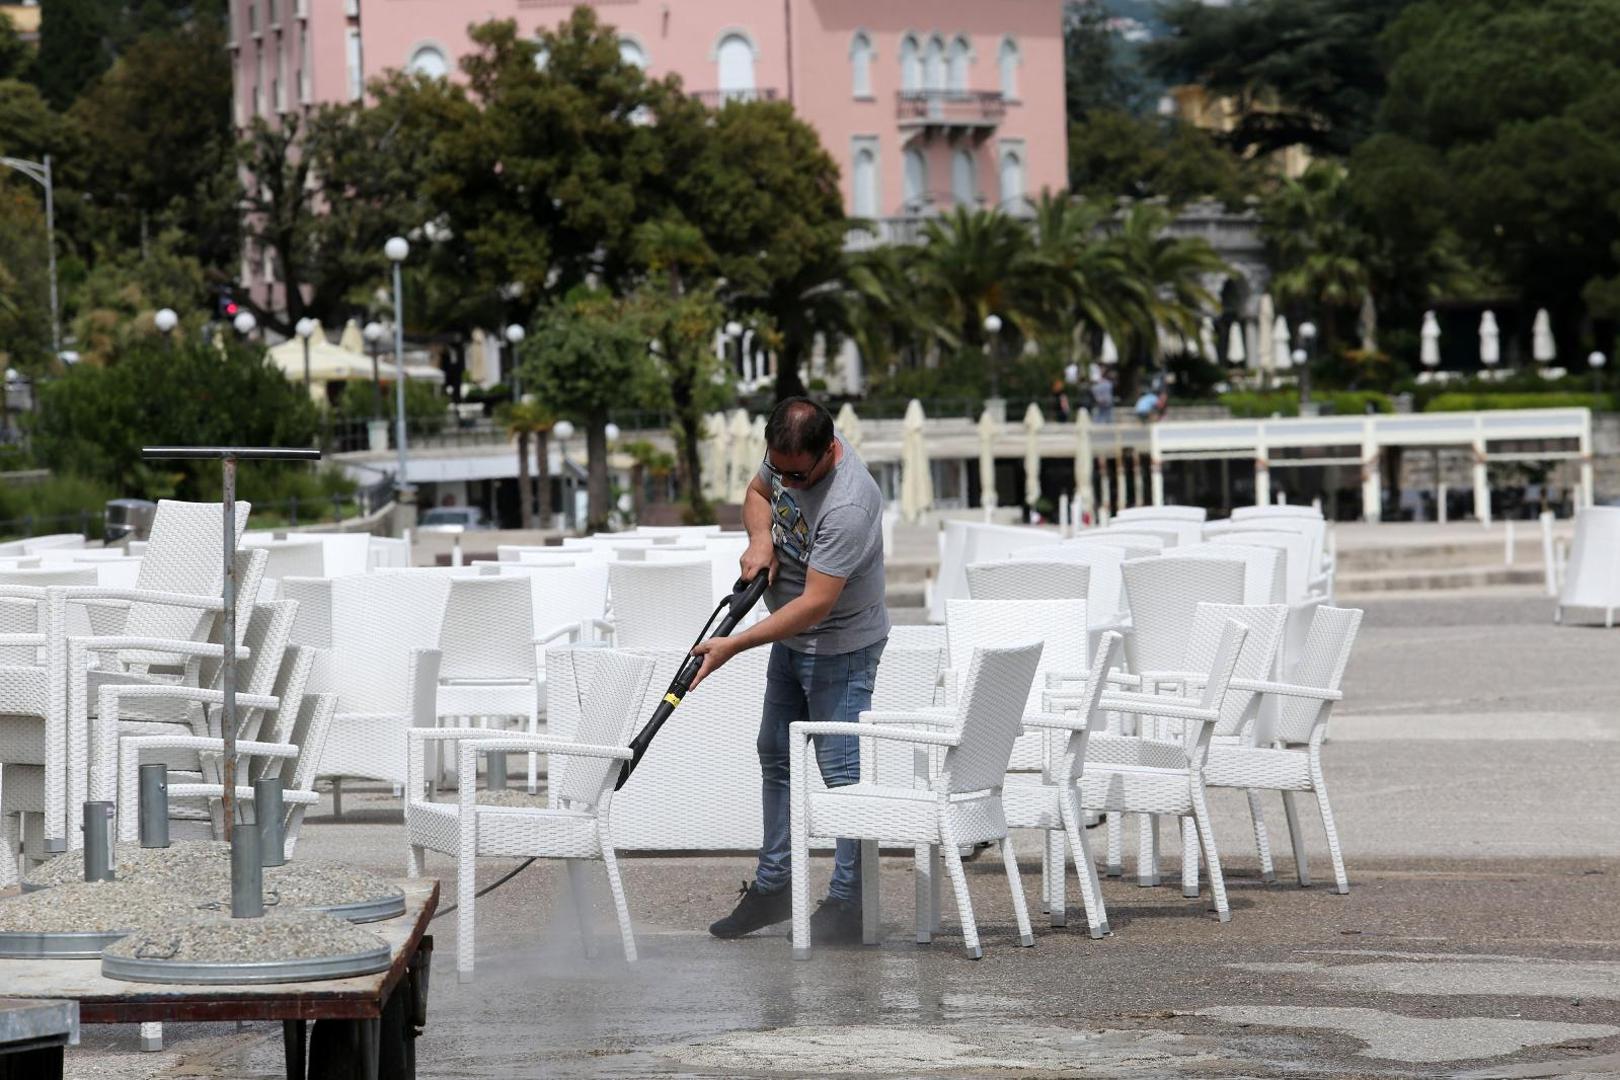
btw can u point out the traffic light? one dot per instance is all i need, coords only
(225, 303)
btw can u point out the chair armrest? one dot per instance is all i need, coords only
(208, 744)
(941, 718)
(1156, 705)
(872, 731)
(204, 649)
(1196, 678)
(604, 626)
(568, 630)
(545, 744)
(174, 692)
(1050, 721)
(82, 593)
(1056, 680)
(1315, 693)
(424, 682)
(23, 640)
(445, 734)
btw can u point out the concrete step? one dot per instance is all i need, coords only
(1408, 580)
(1526, 552)
(909, 571)
(905, 594)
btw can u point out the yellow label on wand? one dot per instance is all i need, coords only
(672, 699)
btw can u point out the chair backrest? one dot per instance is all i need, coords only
(723, 568)
(1105, 587)
(963, 543)
(1244, 513)
(33, 545)
(311, 725)
(378, 620)
(617, 542)
(1264, 579)
(1295, 549)
(995, 690)
(343, 553)
(1021, 579)
(1221, 667)
(917, 636)
(1130, 539)
(1176, 531)
(1313, 529)
(1164, 595)
(1161, 513)
(183, 555)
(19, 562)
(563, 557)
(1106, 656)
(609, 710)
(563, 595)
(1592, 575)
(1059, 624)
(682, 533)
(488, 630)
(1321, 665)
(386, 552)
(907, 677)
(1256, 660)
(291, 558)
(291, 686)
(659, 605)
(269, 627)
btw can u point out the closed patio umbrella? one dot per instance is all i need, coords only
(1280, 339)
(849, 426)
(1033, 422)
(1430, 350)
(1490, 340)
(1206, 341)
(714, 453)
(1265, 352)
(1110, 351)
(351, 338)
(916, 480)
(1083, 466)
(988, 430)
(741, 468)
(1542, 345)
(1235, 353)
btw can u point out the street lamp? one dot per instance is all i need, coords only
(562, 431)
(373, 334)
(40, 173)
(245, 323)
(305, 330)
(1596, 361)
(166, 320)
(1302, 360)
(611, 432)
(397, 249)
(992, 327)
(514, 337)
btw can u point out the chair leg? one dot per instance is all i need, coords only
(416, 861)
(610, 862)
(1189, 859)
(1262, 840)
(1341, 879)
(1009, 859)
(799, 859)
(534, 759)
(10, 851)
(927, 870)
(1055, 879)
(964, 902)
(582, 906)
(871, 908)
(1147, 850)
(466, 887)
(337, 796)
(1217, 880)
(1116, 844)
(1296, 837)
(1085, 868)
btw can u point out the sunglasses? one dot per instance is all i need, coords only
(788, 474)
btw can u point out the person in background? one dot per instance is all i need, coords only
(1102, 396)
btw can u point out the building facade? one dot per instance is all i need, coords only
(924, 104)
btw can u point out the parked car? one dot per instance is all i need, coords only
(453, 519)
(128, 519)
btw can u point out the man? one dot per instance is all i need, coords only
(814, 520)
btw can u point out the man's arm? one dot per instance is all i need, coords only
(821, 592)
(756, 515)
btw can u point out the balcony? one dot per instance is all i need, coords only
(950, 112)
(880, 232)
(715, 99)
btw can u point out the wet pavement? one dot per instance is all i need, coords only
(1473, 773)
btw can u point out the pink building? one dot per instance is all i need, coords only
(924, 104)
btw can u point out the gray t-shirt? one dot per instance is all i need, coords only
(834, 528)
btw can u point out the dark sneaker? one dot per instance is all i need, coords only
(755, 910)
(836, 922)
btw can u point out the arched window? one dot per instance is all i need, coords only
(864, 179)
(735, 57)
(1007, 62)
(956, 66)
(860, 62)
(631, 52)
(1012, 180)
(916, 180)
(429, 60)
(934, 65)
(911, 72)
(964, 184)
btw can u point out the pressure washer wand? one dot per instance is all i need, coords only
(744, 595)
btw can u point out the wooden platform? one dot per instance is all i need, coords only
(363, 1000)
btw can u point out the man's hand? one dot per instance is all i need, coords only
(715, 652)
(759, 556)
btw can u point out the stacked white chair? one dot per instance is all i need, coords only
(1161, 513)
(1282, 750)
(1264, 571)
(960, 805)
(1029, 579)
(1141, 544)
(659, 605)
(1592, 577)
(576, 827)
(962, 543)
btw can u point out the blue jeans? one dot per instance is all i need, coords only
(800, 686)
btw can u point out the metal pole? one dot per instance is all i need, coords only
(306, 363)
(496, 778)
(155, 806)
(399, 383)
(50, 239)
(227, 675)
(98, 857)
(247, 876)
(270, 813)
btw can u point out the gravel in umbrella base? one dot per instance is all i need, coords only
(188, 861)
(94, 907)
(281, 947)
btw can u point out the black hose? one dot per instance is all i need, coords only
(486, 890)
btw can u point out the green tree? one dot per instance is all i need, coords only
(1301, 72)
(526, 421)
(75, 45)
(1319, 253)
(25, 313)
(119, 296)
(1113, 154)
(587, 351)
(1165, 275)
(16, 55)
(1099, 71)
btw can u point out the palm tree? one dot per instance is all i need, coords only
(1164, 275)
(974, 263)
(525, 420)
(1320, 257)
(1083, 282)
(649, 461)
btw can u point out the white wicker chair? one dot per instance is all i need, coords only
(962, 543)
(680, 533)
(487, 666)
(960, 805)
(1308, 524)
(290, 558)
(1169, 533)
(1029, 579)
(1161, 513)
(343, 554)
(1283, 751)
(1592, 578)
(1264, 578)
(1139, 545)
(380, 633)
(583, 772)
(1165, 777)
(659, 605)
(1105, 594)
